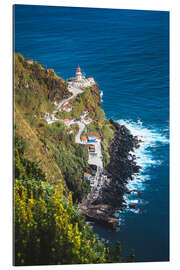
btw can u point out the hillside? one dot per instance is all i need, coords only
(36, 91)
(50, 163)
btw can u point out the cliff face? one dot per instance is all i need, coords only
(122, 164)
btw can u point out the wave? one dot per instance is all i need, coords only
(150, 138)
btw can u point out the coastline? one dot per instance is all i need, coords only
(121, 169)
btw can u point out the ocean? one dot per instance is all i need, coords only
(127, 52)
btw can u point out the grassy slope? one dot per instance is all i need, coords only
(35, 149)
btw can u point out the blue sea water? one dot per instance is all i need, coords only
(127, 52)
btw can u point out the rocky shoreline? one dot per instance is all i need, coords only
(120, 170)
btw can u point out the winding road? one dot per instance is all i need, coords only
(82, 127)
(94, 158)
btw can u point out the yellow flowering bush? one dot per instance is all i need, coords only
(49, 231)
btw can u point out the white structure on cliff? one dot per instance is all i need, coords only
(79, 81)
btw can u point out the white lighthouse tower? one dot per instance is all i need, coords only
(79, 75)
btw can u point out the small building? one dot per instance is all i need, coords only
(98, 139)
(67, 121)
(91, 80)
(91, 137)
(87, 120)
(87, 176)
(84, 139)
(67, 107)
(30, 61)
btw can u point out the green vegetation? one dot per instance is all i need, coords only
(49, 146)
(36, 87)
(48, 228)
(50, 231)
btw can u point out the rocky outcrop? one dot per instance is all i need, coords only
(100, 213)
(57, 88)
(120, 170)
(122, 164)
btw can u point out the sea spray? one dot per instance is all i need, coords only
(150, 138)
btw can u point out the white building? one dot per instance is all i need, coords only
(80, 81)
(83, 139)
(87, 176)
(29, 61)
(91, 136)
(67, 107)
(87, 120)
(68, 121)
(98, 139)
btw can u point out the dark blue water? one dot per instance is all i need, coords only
(127, 52)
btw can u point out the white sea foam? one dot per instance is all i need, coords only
(149, 137)
(144, 158)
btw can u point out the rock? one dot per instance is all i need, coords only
(120, 170)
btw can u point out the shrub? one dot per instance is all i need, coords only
(50, 231)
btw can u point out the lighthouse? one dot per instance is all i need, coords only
(79, 75)
(80, 81)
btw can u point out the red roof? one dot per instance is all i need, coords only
(67, 106)
(87, 174)
(83, 138)
(67, 120)
(78, 69)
